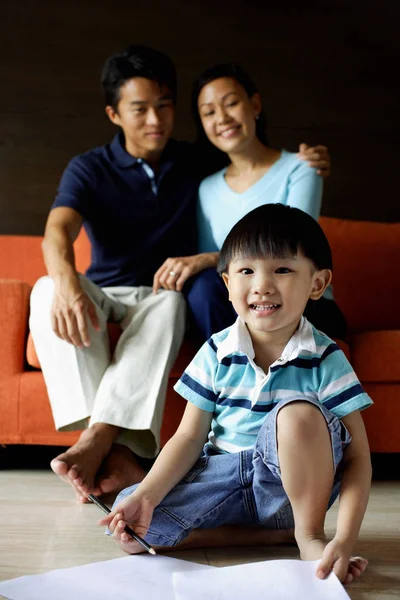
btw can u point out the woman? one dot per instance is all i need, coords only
(228, 113)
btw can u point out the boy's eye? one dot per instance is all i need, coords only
(283, 270)
(246, 271)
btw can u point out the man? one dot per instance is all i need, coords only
(136, 198)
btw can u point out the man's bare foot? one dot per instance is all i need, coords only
(119, 470)
(79, 465)
(313, 549)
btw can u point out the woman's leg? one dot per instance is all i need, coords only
(326, 316)
(209, 305)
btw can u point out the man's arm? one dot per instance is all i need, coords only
(71, 306)
(353, 500)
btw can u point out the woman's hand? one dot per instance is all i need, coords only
(135, 511)
(175, 271)
(317, 157)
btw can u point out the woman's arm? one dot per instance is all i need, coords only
(175, 271)
(305, 190)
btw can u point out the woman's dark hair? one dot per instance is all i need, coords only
(234, 71)
(136, 61)
(276, 231)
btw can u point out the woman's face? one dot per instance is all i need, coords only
(228, 114)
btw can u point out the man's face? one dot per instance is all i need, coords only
(145, 113)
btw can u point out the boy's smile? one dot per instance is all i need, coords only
(270, 294)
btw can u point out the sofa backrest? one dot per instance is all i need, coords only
(21, 256)
(366, 277)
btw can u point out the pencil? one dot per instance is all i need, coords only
(127, 529)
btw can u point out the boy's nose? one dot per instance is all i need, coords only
(264, 287)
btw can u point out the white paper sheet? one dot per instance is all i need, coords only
(272, 580)
(143, 577)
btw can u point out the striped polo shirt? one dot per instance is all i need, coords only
(224, 379)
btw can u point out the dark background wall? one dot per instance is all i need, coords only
(327, 70)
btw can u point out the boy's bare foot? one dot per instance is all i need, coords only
(313, 549)
(119, 470)
(79, 465)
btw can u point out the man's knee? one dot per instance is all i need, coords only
(42, 294)
(300, 421)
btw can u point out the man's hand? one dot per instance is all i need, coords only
(175, 271)
(317, 157)
(70, 312)
(135, 511)
(337, 558)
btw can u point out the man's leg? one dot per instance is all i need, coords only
(209, 305)
(73, 375)
(132, 393)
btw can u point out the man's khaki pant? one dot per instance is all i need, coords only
(128, 389)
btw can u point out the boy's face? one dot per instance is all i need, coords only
(145, 113)
(270, 294)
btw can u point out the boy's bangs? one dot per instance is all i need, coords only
(260, 245)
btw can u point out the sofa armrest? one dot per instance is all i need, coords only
(14, 311)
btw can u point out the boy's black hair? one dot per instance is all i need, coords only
(136, 61)
(276, 231)
(216, 158)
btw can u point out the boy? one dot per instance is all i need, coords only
(280, 404)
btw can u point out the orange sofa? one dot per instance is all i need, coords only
(367, 287)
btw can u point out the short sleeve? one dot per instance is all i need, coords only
(340, 391)
(305, 189)
(197, 384)
(74, 188)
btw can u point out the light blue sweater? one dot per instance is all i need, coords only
(289, 181)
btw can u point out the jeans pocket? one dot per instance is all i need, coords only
(196, 470)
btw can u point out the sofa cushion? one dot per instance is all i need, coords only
(366, 284)
(376, 356)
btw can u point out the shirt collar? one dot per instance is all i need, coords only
(238, 341)
(126, 160)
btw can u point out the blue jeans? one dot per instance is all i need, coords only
(240, 488)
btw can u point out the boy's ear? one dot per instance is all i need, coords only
(225, 277)
(321, 281)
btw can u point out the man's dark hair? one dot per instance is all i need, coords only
(276, 231)
(136, 61)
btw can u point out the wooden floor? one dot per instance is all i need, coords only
(42, 528)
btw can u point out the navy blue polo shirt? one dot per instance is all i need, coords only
(134, 219)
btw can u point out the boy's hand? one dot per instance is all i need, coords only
(134, 511)
(337, 558)
(317, 157)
